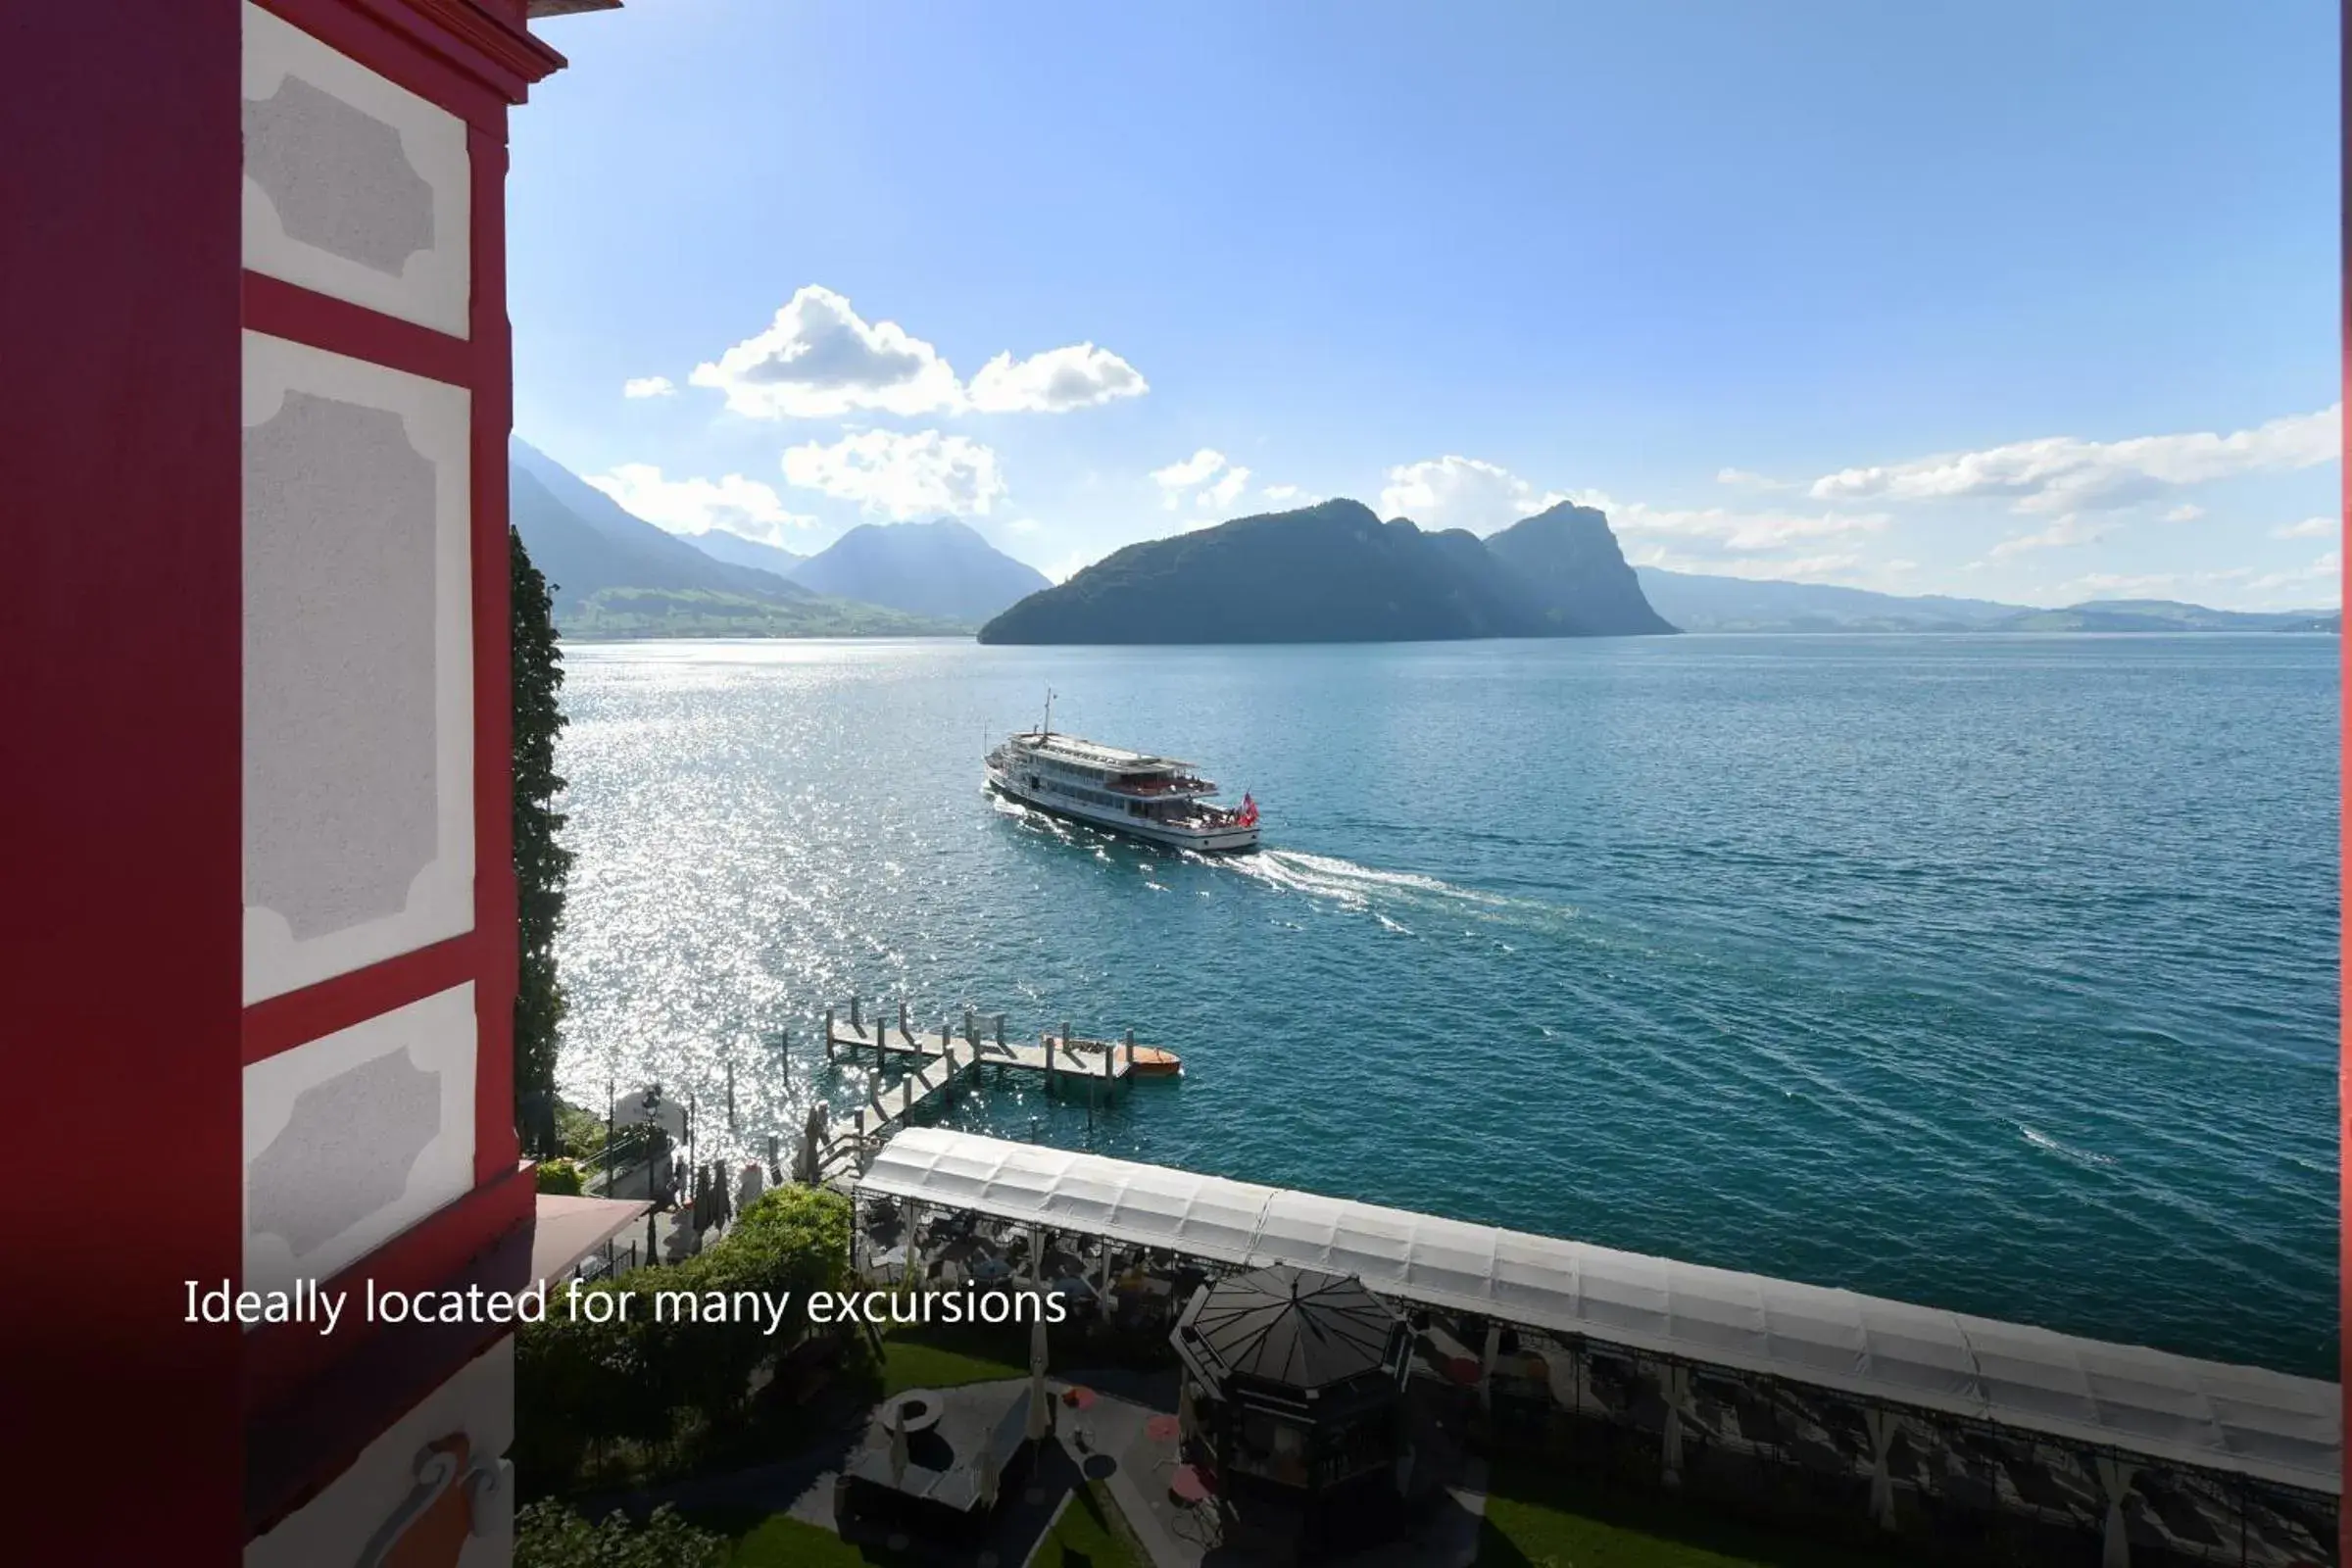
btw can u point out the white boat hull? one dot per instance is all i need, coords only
(1222, 839)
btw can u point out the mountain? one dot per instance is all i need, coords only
(583, 540)
(1335, 573)
(1698, 603)
(1568, 560)
(937, 568)
(2165, 614)
(734, 549)
(613, 574)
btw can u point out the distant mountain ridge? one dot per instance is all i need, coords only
(942, 568)
(736, 550)
(1335, 573)
(585, 541)
(1696, 602)
(614, 574)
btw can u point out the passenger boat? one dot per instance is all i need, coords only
(1153, 797)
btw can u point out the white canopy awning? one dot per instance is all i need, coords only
(2170, 1408)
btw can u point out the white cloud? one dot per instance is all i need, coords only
(2063, 473)
(1749, 481)
(1177, 478)
(2325, 568)
(1458, 492)
(1223, 492)
(648, 386)
(1191, 472)
(2308, 528)
(1844, 564)
(1745, 533)
(2187, 512)
(2138, 585)
(899, 474)
(1282, 492)
(2066, 532)
(1054, 381)
(1025, 525)
(819, 360)
(1068, 567)
(734, 504)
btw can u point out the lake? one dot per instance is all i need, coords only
(1996, 973)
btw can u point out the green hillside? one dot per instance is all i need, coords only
(617, 614)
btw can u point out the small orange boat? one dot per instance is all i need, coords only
(1152, 1062)
(1149, 1062)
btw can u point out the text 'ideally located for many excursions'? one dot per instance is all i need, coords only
(308, 1301)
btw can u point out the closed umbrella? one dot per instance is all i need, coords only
(897, 1447)
(1881, 1480)
(813, 1136)
(988, 1477)
(1041, 1408)
(1678, 1394)
(1188, 1419)
(2115, 1479)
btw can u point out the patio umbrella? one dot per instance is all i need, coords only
(897, 1447)
(1678, 1394)
(1041, 1409)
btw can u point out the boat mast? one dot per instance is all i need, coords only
(1047, 731)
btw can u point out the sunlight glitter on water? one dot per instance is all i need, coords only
(1748, 958)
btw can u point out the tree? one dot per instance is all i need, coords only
(541, 863)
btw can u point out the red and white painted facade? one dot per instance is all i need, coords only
(263, 897)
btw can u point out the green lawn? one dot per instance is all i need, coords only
(1090, 1533)
(911, 1363)
(1543, 1520)
(783, 1542)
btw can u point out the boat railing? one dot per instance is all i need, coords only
(1180, 784)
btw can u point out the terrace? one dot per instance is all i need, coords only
(1922, 1425)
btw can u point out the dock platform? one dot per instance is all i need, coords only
(939, 1059)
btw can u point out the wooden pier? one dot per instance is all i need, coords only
(938, 1058)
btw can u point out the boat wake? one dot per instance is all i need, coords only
(1348, 882)
(2042, 1140)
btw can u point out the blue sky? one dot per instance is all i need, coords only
(2035, 301)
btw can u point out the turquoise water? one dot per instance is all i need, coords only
(1997, 973)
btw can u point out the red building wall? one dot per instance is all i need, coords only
(134, 315)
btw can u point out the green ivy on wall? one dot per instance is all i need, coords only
(541, 863)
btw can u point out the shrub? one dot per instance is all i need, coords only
(560, 1177)
(548, 1535)
(582, 1385)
